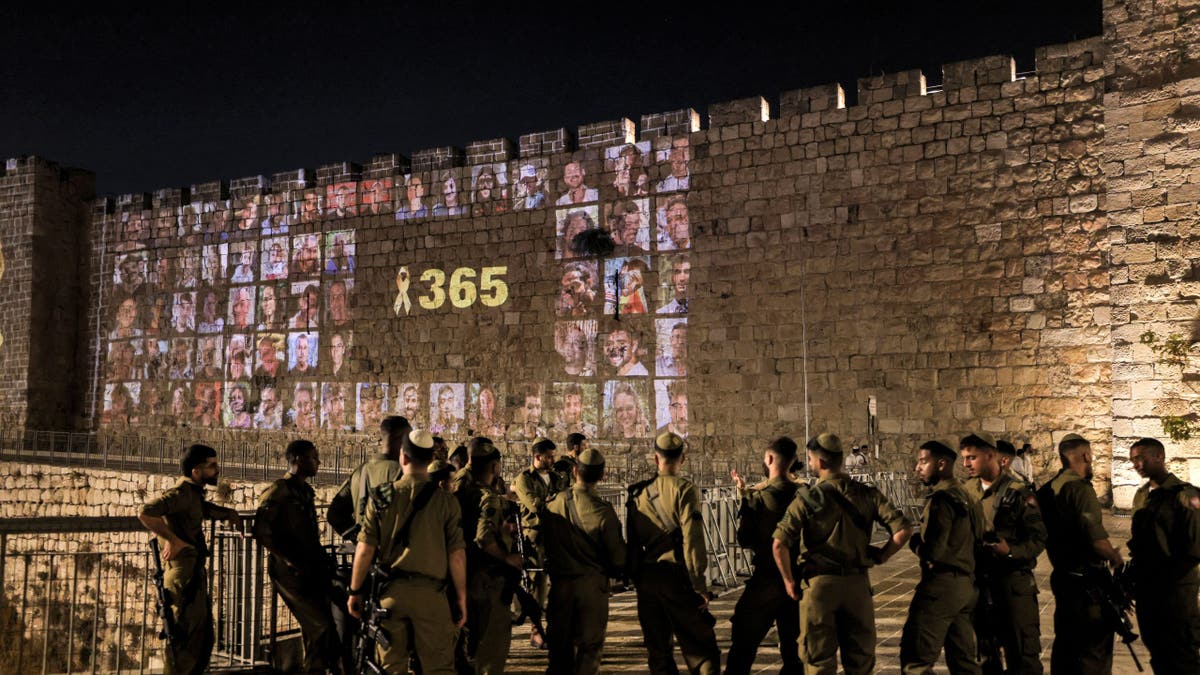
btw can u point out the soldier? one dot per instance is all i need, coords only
(666, 539)
(1078, 545)
(941, 608)
(1006, 457)
(442, 473)
(489, 542)
(1165, 547)
(584, 549)
(286, 525)
(535, 487)
(349, 506)
(417, 536)
(831, 523)
(565, 465)
(177, 519)
(458, 458)
(1014, 536)
(765, 600)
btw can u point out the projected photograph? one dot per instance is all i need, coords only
(155, 364)
(625, 285)
(270, 359)
(126, 318)
(338, 302)
(274, 214)
(408, 404)
(180, 359)
(187, 268)
(579, 289)
(308, 206)
(213, 259)
(241, 308)
(527, 406)
(572, 222)
(237, 406)
(625, 350)
(450, 199)
(628, 222)
(671, 347)
(242, 259)
(153, 404)
(372, 405)
(485, 410)
(574, 188)
(447, 408)
(671, 406)
(334, 361)
(217, 218)
(672, 155)
(674, 272)
(308, 306)
(337, 406)
(179, 402)
(341, 200)
(183, 314)
(339, 253)
(122, 357)
(375, 196)
(212, 310)
(208, 358)
(271, 300)
(412, 202)
(134, 232)
(120, 404)
(239, 356)
(575, 342)
(130, 271)
(576, 409)
(626, 169)
(248, 217)
(162, 276)
(303, 409)
(274, 258)
(302, 355)
(268, 413)
(529, 184)
(489, 189)
(206, 405)
(626, 409)
(158, 314)
(674, 228)
(306, 256)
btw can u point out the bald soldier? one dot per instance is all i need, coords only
(535, 486)
(830, 524)
(666, 541)
(944, 600)
(1014, 537)
(349, 506)
(584, 549)
(417, 537)
(1078, 545)
(1165, 546)
(765, 601)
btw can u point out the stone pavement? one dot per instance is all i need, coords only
(893, 584)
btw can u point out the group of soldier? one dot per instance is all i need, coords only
(448, 539)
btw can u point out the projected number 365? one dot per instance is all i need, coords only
(463, 287)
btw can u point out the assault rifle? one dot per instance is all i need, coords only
(1116, 604)
(988, 630)
(371, 632)
(518, 579)
(170, 628)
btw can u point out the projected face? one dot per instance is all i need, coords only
(622, 353)
(625, 410)
(306, 256)
(672, 409)
(241, 307)
(672, 347)
(574, 341)
(674, 226)
(337, 354)
(339, 311)
(577, 295)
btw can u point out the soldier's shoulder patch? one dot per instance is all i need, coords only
(384, 494)
(1194, 501)
(1031, 501)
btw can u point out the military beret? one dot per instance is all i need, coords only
(939, 449)
(978, 439)
(542, 445)
(1073, 438)
(439, 470)
(590, 457)
(669, 445)
(1006, 448)
(418, 444)
(482, 447)
(825, 442)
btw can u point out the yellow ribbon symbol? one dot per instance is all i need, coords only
(402, 301)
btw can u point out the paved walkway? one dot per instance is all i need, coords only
(893, 584)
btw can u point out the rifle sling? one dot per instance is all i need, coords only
(418, 503)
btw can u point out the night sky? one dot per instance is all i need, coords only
(164, 97)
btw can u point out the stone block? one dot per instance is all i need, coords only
(740, 111)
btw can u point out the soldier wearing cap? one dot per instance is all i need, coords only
(286, 525)
(1165, 547)
(944, 600)
(765, 600)
(489, 545)
(349, 506)
(535, 486)
(417, 537)
(441, 473)
(830, 523)
(1076, 543)
(458, 457)
(1014, 536)
(666, 542)
(584, 549)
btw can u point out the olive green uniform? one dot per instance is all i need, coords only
(349, 506)
(836, 610)
(1165, 543)
(944, 600)
(764, 600)
(491, 633)
(1083, 640)
(1007, 612)
(666, 535)
(534, 490)
(584, 548)
(185, 509)
(415, 596)
(286, 525)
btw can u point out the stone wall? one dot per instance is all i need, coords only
(1152, 163)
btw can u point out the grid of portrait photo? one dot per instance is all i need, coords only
(246, 320)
